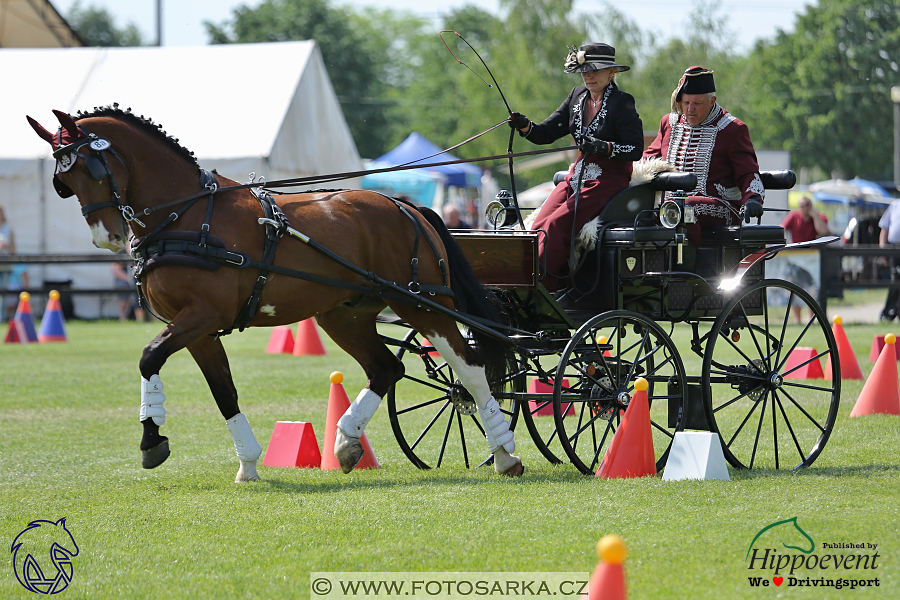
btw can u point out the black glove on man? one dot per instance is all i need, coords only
(753, 208)
(592, 146)
(518, 121)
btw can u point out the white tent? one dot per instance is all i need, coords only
(241, 108)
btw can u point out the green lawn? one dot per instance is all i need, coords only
(69, 437)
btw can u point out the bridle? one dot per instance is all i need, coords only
(98, 166)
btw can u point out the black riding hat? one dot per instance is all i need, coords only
(592, 57)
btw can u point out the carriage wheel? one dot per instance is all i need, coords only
(754, 398)
(434, 418)
(600, 383)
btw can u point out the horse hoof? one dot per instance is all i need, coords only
(155, 456)
(247, 472)
(347, 450)
(514, 471)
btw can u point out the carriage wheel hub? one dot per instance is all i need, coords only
(462, 400)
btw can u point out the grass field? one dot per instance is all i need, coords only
(69, 437)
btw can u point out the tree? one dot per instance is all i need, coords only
(823, 91)
(354, 49)
(96, 27)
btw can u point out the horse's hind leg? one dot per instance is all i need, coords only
(469, 367)
(353, 329)
(210, 356)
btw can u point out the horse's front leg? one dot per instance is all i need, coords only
(210, 356)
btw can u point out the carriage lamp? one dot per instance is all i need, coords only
(498, 212)
(670, 214)
(495, 213)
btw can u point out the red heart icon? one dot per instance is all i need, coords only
(778, 580)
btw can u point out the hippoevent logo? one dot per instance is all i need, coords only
(782, 553)
(42, 556)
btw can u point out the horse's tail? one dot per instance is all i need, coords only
(472, 298)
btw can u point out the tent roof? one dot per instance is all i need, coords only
(221, 102)
(416, 147)
(34, 24)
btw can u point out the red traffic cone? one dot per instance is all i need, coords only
(15, 333)
(338, 403)
(809, 370)
(281, 341)
(849, 365)
(53, 326)
(630, 454)
(308, 342)
(293, 444)
(23, 315)
(881, 394)
(608, 579)
(428, 344)
(878, 346)
(546, 405)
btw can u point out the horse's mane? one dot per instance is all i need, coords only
(144, 123)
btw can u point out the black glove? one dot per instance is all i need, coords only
(753, 208)
(592, 146)
(518, 121)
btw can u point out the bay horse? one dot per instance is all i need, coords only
(186, 223)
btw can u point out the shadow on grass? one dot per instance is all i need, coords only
(417, 479)
(848, 471)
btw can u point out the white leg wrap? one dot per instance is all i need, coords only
(152, 400)
(354, 421)
(245, 444)
(496, 429)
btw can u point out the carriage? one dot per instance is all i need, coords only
(714, 339)
(580, 351)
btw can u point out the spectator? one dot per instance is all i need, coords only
(804, 225)
(128, 301)
(890, 234)
(451, 218)
(7, 247)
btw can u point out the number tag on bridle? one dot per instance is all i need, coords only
(100, 145)
(66, 162)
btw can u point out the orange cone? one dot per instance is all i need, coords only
(630, 454)
(881, 394)
(281, 341)
(15, 333)
(878, 346)
(293, 444)
(23, 315)
(608, 579)
(308, 342)
(338, 403)
(810, 370)
(849, 365)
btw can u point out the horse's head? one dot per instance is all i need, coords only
(88, 167)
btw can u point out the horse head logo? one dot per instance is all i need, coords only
(786, 531)
(42, 556)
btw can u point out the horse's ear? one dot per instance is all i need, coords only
(67, 122)
(39, 129)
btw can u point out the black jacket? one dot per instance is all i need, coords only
(622, 125)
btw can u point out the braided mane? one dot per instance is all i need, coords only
(145, 124)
